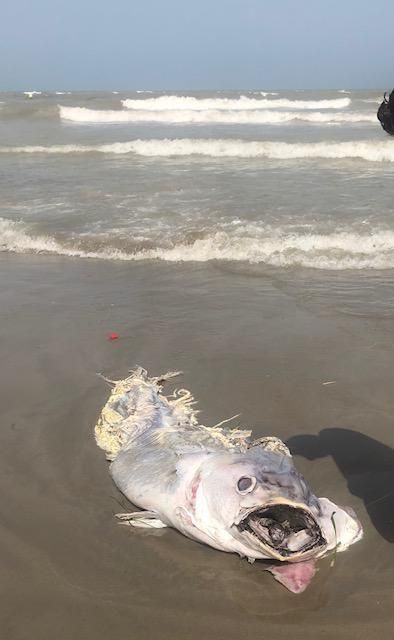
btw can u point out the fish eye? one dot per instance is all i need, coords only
(246, 484)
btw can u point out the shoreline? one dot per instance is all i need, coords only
(246, 345)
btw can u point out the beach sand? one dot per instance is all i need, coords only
(246, 345)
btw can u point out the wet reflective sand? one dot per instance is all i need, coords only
(245, 345)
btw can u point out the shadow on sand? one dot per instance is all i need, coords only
(366, 464)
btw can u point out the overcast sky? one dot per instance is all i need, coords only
(196, 44)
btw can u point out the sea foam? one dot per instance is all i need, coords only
(30, 94)
(243, 102)
(367, 150)
(336, 251)
(181, 116)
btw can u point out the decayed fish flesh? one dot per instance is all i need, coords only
(216, 485)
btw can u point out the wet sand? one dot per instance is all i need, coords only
(245, 345)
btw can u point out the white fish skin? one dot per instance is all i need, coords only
(211, 483)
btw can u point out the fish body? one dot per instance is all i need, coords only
(215, 485)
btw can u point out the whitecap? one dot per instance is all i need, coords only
(335, 251)
(221, 116)
(243, 102)
(367, 150)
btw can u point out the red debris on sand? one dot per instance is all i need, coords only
(113, 336)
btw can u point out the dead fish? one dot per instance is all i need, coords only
(216, 485)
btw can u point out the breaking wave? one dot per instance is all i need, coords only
(179, 116)
(243, 102)
(335, 251)
(225, 148)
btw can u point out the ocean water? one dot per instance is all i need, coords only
(245, 238)
(273, 184)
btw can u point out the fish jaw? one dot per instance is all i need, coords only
(333, 528)
(282, 530)
(340, 526)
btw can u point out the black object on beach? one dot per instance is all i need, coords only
(385, 113)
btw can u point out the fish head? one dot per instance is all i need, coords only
(257, 504)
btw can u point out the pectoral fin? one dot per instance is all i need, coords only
(142, 519)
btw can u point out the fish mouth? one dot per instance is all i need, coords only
(285, 530)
